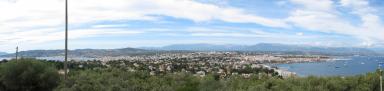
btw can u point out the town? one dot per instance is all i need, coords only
(222, 64)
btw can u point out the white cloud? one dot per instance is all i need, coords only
(321, 15)
(36, 20)
(91, 10)
(227, 32)
(247, 34)
(110, 26)
(300, 34)
(281, 3)
(359, 6)
(318, 5)
(47, 35)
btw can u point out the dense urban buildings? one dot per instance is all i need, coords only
(222, 64)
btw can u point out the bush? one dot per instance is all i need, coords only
(28, 75)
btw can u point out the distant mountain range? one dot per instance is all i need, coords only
(80, 52)
(271, 47)
(262, 47)
(3, 53)
(378, 50)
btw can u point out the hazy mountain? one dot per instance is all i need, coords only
(3, 53)
(378, 50)
(263, 47)
(198, 47)
(80, 52)
(269, 47)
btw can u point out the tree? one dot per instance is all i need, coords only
(28, 75)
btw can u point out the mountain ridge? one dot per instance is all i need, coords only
(271, 47)
(3, 53)
(261, 47)
(78, 52)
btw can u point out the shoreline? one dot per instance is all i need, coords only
(345, 66)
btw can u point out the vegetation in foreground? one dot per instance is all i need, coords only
(39, 75)
(28, 75)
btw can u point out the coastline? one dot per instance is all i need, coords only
(346, 66)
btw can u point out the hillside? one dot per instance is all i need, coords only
(80, 52)
(269, 47)
(262, 48)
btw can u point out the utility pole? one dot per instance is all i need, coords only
(381, 80)
(381, 77)
(66, 41)
(17, 52)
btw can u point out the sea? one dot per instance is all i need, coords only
(346, 66)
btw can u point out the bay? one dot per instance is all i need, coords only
(349, 66)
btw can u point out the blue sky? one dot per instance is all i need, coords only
(38, 24)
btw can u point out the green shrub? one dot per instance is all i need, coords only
(28, 75)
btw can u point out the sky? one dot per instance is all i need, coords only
(105, 24)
